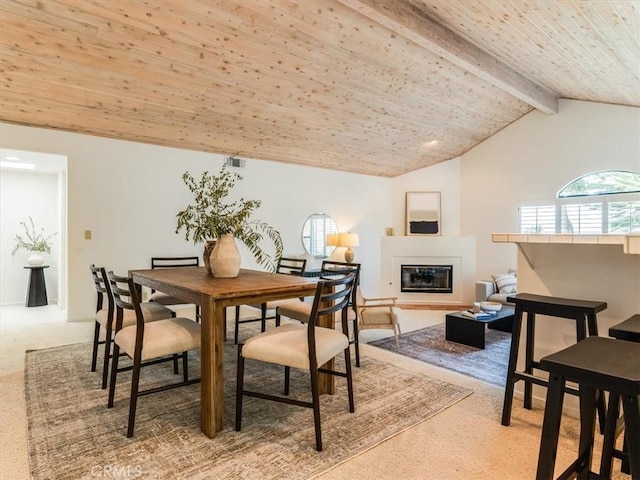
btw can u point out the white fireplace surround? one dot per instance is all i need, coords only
(460, 252)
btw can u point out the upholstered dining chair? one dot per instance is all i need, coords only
(288, 266)
(104, 319)
(172, 262)
(301, 310)
(378, 313)
(147, 343)
(304, 346)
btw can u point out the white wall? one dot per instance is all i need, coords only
(24, 195)
(444, 178)
(532, 159)
(128, 194)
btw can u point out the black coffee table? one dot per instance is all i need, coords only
(470, 331)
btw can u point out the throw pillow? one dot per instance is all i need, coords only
(505, 282)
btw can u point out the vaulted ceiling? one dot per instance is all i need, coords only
(379, 87)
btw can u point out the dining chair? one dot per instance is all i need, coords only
(288, 266)
(378, 313)
(303, 346)
(147, 343)
(172, 262)
(301, 310)
(105, 315)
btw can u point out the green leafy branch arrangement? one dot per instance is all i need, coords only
(211, 215)
(33, 241)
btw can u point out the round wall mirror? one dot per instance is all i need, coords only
(314, 235)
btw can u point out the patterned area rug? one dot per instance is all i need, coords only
(72, 435)
(429, 345)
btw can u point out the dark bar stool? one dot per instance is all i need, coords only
(628, 330)
(582, 311)
(595, 364)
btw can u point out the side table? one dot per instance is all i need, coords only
(37, 291)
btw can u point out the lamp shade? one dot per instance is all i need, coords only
(349, 240)
(332, 239)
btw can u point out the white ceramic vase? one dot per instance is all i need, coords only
(35, 259)
(225, 257)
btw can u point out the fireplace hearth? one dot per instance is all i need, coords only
(426, 278)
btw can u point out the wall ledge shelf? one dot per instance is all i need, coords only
(630, 242)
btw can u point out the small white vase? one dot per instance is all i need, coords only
(225, 258)
(35, 259)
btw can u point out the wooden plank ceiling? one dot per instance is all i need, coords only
(379, 87)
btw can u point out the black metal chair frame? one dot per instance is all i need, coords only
(332, 295)
(286, 266)
(330, 267)
(172, 262)
(104, 291)
(103, 287)
(119, 295)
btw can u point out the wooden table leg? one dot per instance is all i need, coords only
(212, 357)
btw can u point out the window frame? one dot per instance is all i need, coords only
(605, 200)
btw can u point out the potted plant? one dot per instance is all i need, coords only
(212, 216)
(35, 242)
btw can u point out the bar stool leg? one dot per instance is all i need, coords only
(528, 386)
(587, 431)
(632, 433)
(609, 440)
(550, 428)
(511, 368)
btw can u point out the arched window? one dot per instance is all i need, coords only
(600, 202)
(602, 183)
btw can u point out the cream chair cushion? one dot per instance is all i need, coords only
(296, 310)
(379, 315)
(302, 310)
(161, 338)
(150, 311)
(165, 299)
(272, 305)
(287, 345)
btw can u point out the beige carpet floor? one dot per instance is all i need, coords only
(465, 441)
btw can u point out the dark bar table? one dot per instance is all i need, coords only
(37, 291)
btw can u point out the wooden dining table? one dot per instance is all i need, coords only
(195, 285)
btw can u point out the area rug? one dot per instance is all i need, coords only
(429, 345)
(72, 435)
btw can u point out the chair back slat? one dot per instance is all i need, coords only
(332, 295)
(170, 262)
(103, 288)
(125, 295)
(98, 280)
(331, 268)
(291, 266)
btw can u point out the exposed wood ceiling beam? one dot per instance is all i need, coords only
(400, 17)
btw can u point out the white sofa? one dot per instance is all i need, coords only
(498, 288)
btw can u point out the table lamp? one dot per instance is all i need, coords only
(349, 240)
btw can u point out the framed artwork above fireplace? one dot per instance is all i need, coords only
(423, 213)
